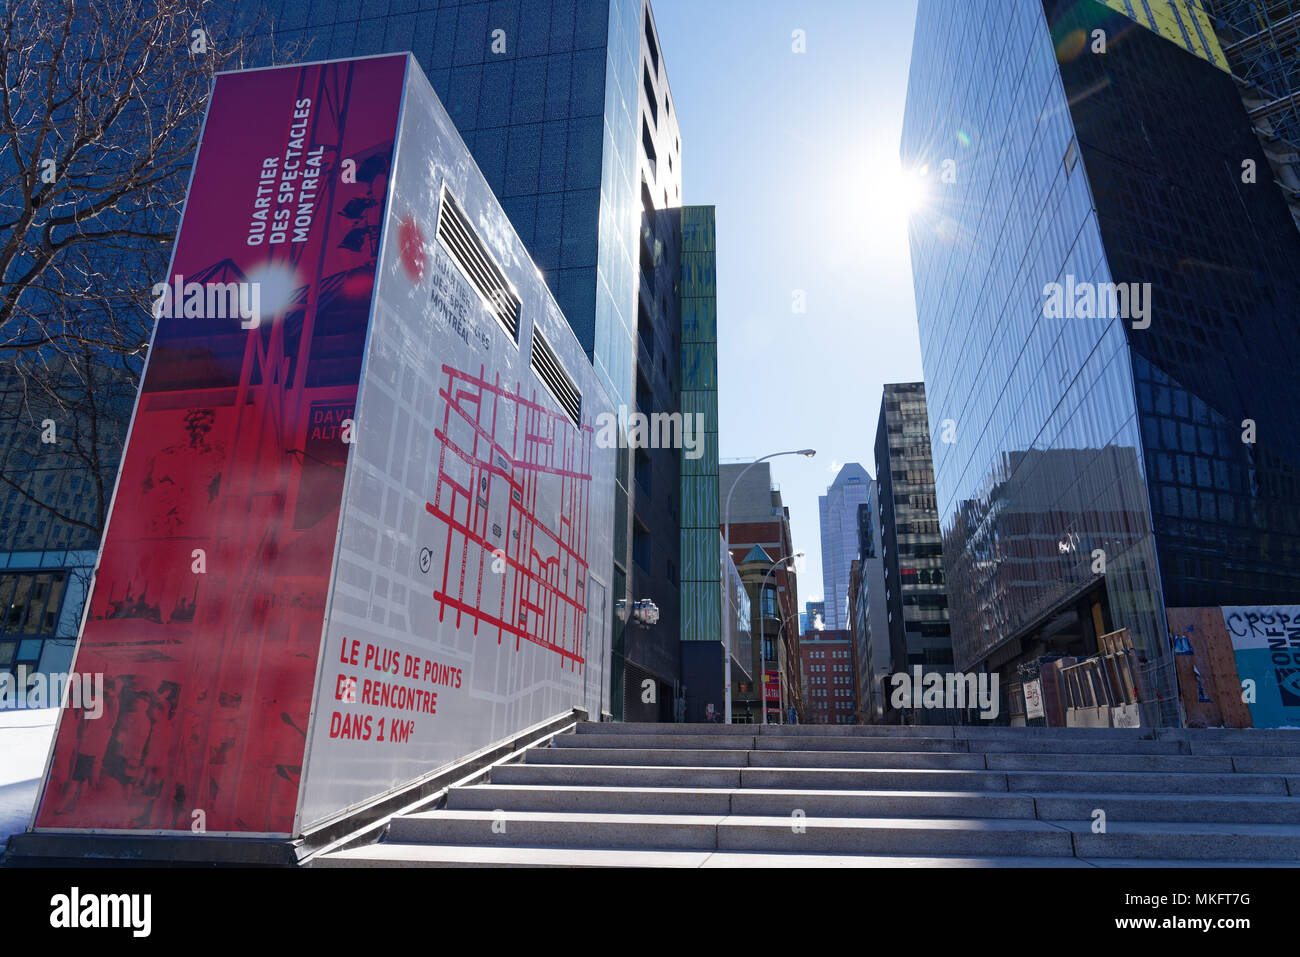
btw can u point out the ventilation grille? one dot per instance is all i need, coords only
(547, 366)
(472, 258)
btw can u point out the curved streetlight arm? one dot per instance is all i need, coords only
(726, 540)
(762, 658)
(726, 512)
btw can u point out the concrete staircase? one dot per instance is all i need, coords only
(677, 795)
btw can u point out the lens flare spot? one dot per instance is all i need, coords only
(1071, 46)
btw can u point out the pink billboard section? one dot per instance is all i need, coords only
(208, 606)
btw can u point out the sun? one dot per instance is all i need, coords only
(912, 193)
(891, 194)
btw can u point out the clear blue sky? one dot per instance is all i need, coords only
(799, 152)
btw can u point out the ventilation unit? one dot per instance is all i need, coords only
(548, 368)
(471, 257)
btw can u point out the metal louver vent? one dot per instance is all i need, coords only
(461, 241)
(547, 366)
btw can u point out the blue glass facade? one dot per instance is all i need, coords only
(1044, 465)
(544, 93)
(1098, 469)
(1223, 259)
(838, 516)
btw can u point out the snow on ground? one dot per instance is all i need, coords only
(24, 745)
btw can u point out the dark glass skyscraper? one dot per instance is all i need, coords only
(566, 108)
(916, 603)
(1104, 462)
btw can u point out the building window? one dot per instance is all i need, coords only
(650, 94)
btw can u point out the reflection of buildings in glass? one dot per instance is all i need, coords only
(1048, 540)
(1119, 164)
(868, 614)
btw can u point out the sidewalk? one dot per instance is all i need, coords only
(24, 745)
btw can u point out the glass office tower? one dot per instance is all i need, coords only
(838, 513)
(1101, 463)
(916, 602)
(701, 577)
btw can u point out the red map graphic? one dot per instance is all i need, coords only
(514, 482)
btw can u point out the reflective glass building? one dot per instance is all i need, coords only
(911, 554)
(838, 513)
(1096, 465)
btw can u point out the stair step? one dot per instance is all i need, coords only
(1154, 763)
(639, 729)
(932, 836)
(1262, 749)
(1266, 765)
(669, 756)
(675, 795)
(866, 779)
(1211, 809)
(472, 855)
(998, 837)
(1153, 783)
(1240, 808)
(592, 800)
(766, 742)
(883, 760)
(646, 757)
(1082, 746)
(962, 744)
(741, 801)
(723, 742)
(680, 832)
(433, 855)
(1202, 841)
(616, 775)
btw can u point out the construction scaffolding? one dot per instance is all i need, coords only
(1261, 39)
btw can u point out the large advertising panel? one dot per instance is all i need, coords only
(473, 591)
(209, 600)
(363, 528)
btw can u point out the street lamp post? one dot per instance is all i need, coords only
(726, 537)
(762, 656)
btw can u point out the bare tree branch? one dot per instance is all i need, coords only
(100, 114)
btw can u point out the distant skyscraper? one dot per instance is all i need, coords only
(839, 539)
(1102, 455)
